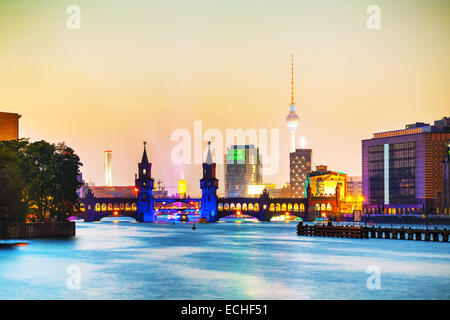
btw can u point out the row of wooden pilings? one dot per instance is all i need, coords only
(406, 234)
(360, 232)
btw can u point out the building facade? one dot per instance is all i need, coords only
(108, 168)
(403, 169)
(354, 186)
(242, 166)
(9, 126)
(299, 167)
(446, 181)
(324, 183)
(326, 192)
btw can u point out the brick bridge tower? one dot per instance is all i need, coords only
(209, 185)
(144, 182)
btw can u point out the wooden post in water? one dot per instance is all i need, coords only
(402, 234)
(435, 235)
(445, 235)
(410, 234)
(418, 235)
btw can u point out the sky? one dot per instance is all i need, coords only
(138, 70)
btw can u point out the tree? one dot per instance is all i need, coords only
(12, 205)
(39, 181)
(51, 180)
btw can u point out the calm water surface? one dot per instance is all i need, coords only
(128, 260)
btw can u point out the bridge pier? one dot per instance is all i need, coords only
(91, 217)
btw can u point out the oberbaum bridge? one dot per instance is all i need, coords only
(143, 206)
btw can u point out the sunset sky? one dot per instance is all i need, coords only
(139, 69)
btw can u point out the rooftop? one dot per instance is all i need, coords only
(114, 192)
(442, 125)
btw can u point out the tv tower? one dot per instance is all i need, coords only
(292, 118)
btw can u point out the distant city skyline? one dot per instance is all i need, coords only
(137, 73)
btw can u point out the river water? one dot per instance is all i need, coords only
(128, 260)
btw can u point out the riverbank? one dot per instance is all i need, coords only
(40, 230)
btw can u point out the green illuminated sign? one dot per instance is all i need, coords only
(237, 155)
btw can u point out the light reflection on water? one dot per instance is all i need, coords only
(128, 260)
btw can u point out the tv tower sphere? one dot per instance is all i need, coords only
(292, 120)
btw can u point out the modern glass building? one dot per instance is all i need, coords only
(402, 170)
(299, 167)
(242, 168)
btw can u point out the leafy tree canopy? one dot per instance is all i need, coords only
(42, 176)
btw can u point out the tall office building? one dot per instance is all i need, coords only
(242, 168)
(446, 181)
(403, 170)
(108, 170)
(9, 126)
(299, 167)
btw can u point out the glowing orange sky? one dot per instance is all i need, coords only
(139, 70)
